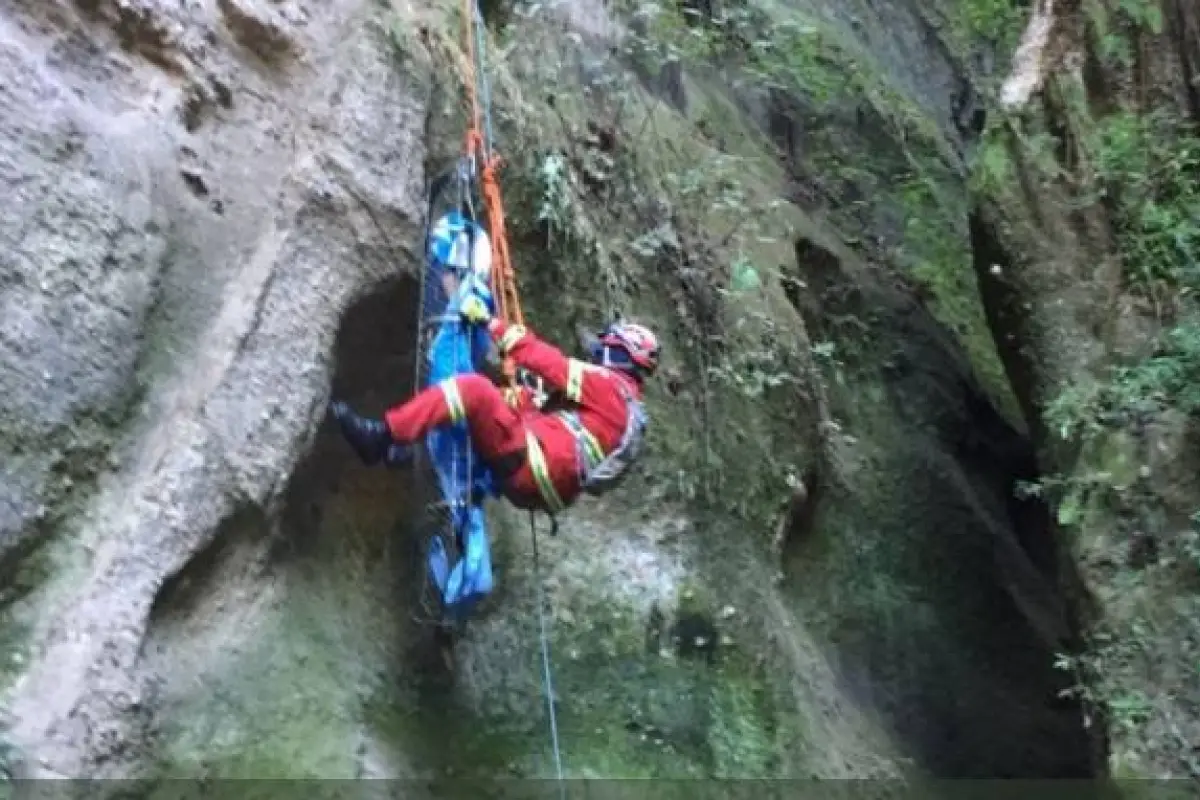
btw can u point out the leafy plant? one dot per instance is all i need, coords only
(555, 210)
(995, 22)
(1146, 166)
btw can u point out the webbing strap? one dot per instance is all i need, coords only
(541, 473)
(512, 396)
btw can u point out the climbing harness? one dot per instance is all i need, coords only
(599, 473)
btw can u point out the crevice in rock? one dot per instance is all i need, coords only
(368, 525)
(1011, 323)
(1002, 306)
(821, 292)
(798, 523)
(202, 100)
(496, 13)
(695, 635)
(698, 12)
(659, 76)
(930, 577)
(140, 30)
(821, 263)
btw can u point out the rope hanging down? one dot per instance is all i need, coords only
(546, 673)
(480, 150)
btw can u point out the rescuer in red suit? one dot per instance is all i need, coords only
(584, 439)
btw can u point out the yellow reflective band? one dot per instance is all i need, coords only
(454, 401)
(574, 380)
(595, 451)
(510, 338)
(541, 474)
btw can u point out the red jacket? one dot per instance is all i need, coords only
(592, 391)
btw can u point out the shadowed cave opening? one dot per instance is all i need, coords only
(331, 492)
(379, 511)
(336, 580)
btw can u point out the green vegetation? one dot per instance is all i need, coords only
(795, 52)
(1144, 167)
(636, 208)
(694, 222)
(617, 201)
(1147, 164)
(997, 22)
(1114, 29)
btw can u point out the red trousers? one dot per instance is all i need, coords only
(498, 433)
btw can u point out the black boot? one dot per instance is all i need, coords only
(369, 438)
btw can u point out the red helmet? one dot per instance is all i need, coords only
(638, 341)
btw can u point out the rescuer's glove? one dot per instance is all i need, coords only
(475, 311)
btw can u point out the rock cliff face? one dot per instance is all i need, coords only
(192, 197)
(215, 212)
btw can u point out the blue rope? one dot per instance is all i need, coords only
(546, 673)
(485, 92)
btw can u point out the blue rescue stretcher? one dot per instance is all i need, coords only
(458, 264)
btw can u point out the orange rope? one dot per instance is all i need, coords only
(503, 276)
(508, 303)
